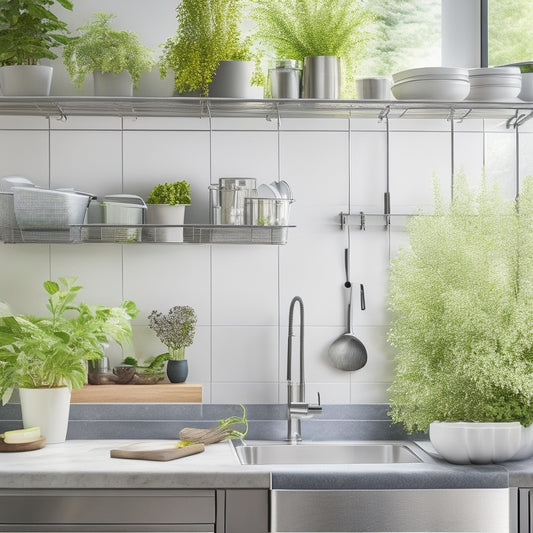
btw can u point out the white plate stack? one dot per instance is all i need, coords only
(431, 83)
(495, 83)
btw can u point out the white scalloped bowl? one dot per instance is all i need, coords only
(481, 442)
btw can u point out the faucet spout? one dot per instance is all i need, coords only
(297, 408)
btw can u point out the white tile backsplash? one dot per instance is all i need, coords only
(242, 293)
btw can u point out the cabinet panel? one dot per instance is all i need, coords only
(107, 507)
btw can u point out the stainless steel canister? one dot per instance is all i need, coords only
(376, 88)
(285, 78)
(322, 77)
(233, 192)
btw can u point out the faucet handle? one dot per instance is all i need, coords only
(317, 406)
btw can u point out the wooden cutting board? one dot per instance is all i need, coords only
(150, 452)
(22, 447)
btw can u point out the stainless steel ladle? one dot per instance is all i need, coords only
(347, 352)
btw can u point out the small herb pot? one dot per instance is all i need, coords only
(177, 371)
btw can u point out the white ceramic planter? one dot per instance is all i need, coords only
(108, 84)
(233, 79)
(47, 408)
(481, 442)
(26, 80)
(526, 92)
(151, 84)
(166, 215)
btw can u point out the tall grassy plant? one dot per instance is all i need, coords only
(208, 32)
(296, 29)
(462, 302)
(29, 31)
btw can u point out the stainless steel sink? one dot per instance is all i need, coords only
(348, 452)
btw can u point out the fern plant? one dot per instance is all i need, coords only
(296, 29)
(29, 31)
(48, 352)
(462, 302)
(99, 47)
(208, 32)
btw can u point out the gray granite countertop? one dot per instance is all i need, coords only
(87, 464)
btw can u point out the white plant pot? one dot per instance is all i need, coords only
(26, 80)
(233, 79)
(481, 442)
(151, 84)
(526, 92)
(48, 409)
(108, 84)
(168, 215)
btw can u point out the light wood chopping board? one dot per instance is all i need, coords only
(156, 452)
(23, 446)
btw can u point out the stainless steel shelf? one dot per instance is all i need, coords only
(65, 106)
(154, 233)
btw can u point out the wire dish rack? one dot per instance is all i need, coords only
(187, 233)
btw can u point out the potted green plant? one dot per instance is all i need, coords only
(208, 37)
(321, 33)
(166, 206)
(45, 357)
(462, 300)
(28, 32)
(176, 331)
(116, 58)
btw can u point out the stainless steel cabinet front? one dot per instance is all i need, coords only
(108, 510)
(443, 510)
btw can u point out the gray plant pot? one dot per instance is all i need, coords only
(26, 80)
(108, 84)
(233, 79)
(177, 371)
(322, 77)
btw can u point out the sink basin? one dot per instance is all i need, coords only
(348, 452)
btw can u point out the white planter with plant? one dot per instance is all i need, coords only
(111, 53)
(28, 32)
(316, 28)
(166, 207)
(176, 331)
(462, 301)
(202, 42)
(50, 353)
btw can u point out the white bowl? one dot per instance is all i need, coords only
(448, 90)
(427, 72)
(494, 71)
(493, 92)
(480, 442)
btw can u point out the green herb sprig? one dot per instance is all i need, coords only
(175, 193)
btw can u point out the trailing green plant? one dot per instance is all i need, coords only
(175, 193)
(208, 32)
(462, 302)
(175, 330)
(296, 29)
(48, 352)
(100, 47)
(29, 31)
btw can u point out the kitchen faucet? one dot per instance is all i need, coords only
(297, 409)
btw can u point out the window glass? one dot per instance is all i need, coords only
(510, 23)
(407, 34)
